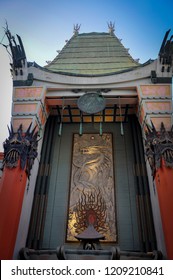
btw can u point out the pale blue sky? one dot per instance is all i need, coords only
(45, 25)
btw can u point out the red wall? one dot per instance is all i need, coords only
(164, 184)
(12, 188)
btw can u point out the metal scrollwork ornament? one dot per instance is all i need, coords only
(158, 146)
(20, 146)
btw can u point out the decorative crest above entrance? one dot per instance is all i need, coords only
(91, 103)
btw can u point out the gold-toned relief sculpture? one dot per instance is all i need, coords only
(92, 196)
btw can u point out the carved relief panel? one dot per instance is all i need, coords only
(92, 195)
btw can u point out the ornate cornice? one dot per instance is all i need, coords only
(20, 146)
(158, 146)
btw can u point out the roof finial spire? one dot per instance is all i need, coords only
(111, 27)
(76, 28)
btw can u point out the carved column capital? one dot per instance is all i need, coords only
(158, 146)
(20, 146)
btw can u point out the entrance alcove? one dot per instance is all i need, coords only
(133, 218)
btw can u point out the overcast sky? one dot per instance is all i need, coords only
(45, 25)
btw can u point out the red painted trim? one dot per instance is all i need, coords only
(12, 188)
(1, 156)
(164, 184)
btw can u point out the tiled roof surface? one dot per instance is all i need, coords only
(92, 54)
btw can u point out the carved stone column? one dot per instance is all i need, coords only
(20, 150)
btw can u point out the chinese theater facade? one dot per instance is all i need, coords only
(87, 169)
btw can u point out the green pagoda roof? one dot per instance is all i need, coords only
(92, 54)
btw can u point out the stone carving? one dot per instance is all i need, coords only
(76, 28)
(20, 146)
(17, 50)
(111, 27)
(91, 103)
(166, 51)
(159, 145)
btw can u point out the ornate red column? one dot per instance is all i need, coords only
(12, 188)
(159, 150)
(19, 154)
(164, 184)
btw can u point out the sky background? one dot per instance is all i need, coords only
(45, 25)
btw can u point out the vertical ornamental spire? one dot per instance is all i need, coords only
(76, 29)
(111, 27)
